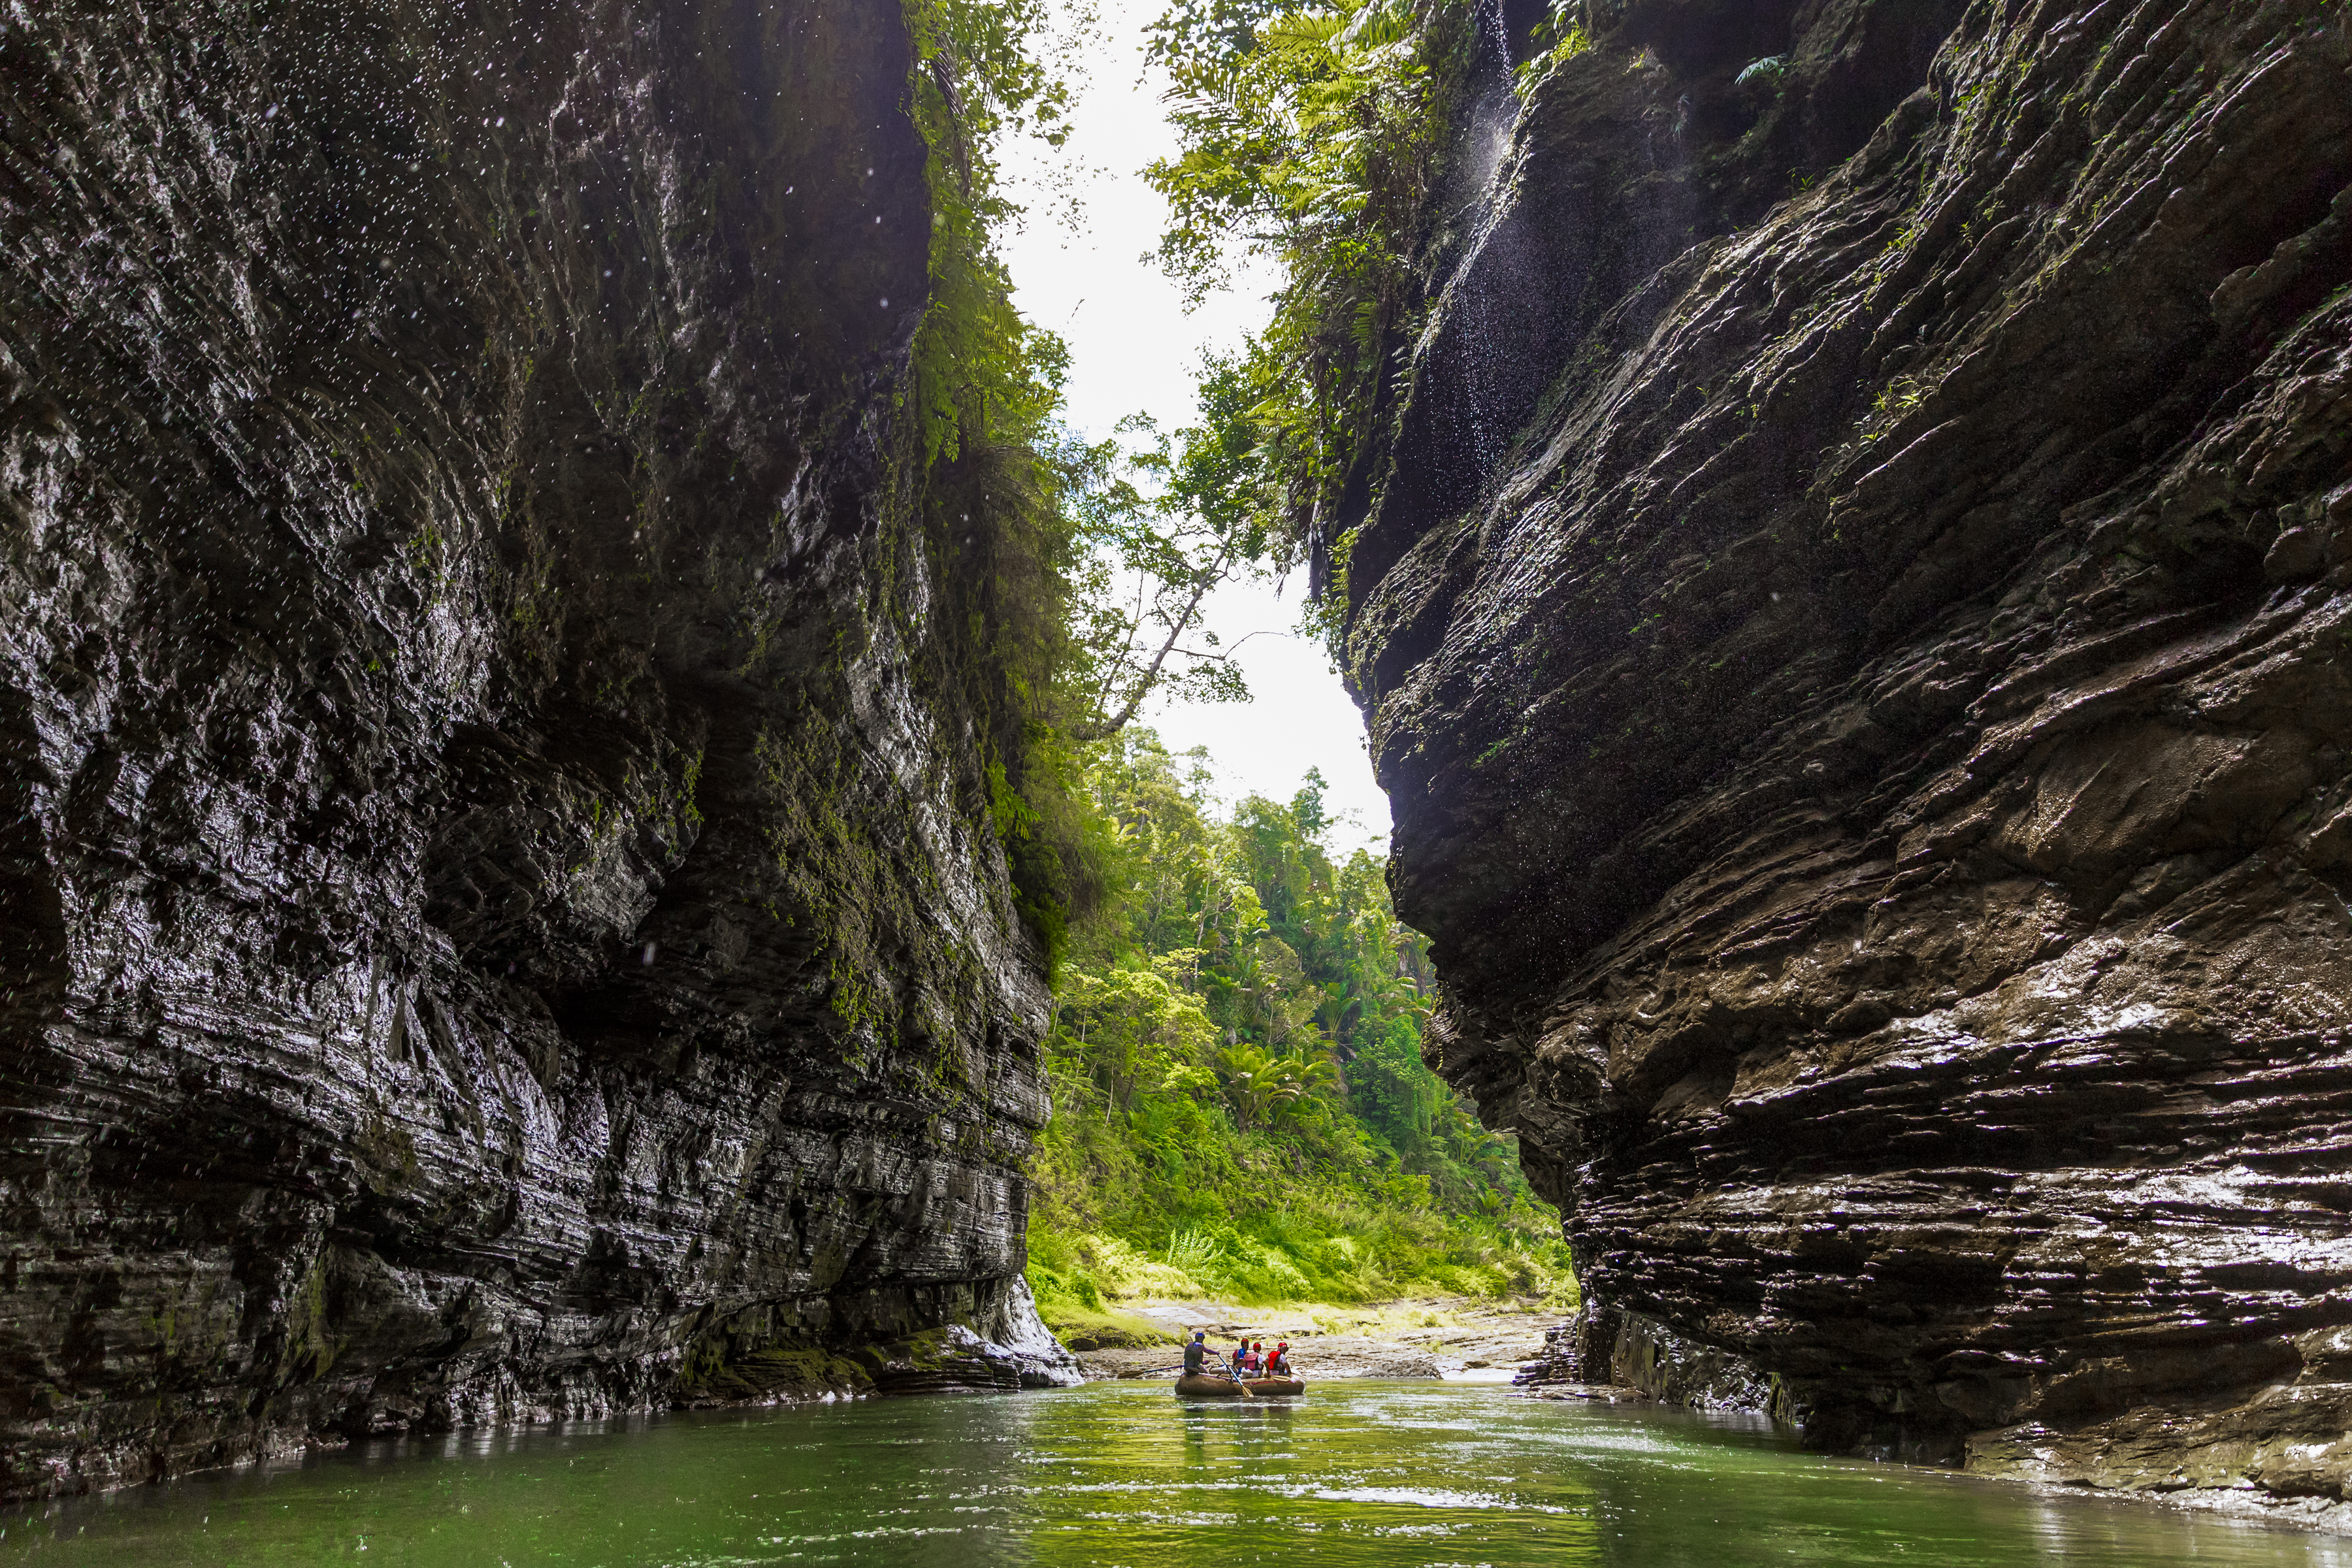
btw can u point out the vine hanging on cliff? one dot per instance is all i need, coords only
(1310, 138)
(980, 371)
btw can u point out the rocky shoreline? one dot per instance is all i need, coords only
(1608, 1357)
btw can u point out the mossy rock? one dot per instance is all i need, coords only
(1083, 1331)
(773, 1373)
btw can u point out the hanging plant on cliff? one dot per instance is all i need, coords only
(983, 387)
(1310, 138)
(983, 68)
(1067, 591)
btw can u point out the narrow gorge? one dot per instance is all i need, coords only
(580, 833)
(504, 919)
(1850, 593)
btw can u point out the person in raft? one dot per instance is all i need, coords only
(1196, 1355)
(1278, 1364)
(1241, 1358)
(1257, 1358)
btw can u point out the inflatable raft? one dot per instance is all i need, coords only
(1206, 1387)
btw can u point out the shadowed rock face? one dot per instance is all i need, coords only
(1864, 670)
(499, 917)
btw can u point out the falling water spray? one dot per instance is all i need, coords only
(1494, 107)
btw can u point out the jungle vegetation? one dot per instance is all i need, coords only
(1241, 1107)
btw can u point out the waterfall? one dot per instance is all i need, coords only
(1493, 104)
(1495, 107)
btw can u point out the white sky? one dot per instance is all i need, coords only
(1133, 349)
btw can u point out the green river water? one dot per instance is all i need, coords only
(1361, 1474)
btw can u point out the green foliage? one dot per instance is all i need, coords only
(1150, 554)
(1559, 39)
(1310, 137)
(1239, 1103)
(1072, 575)
(978, 370)
(1001, 498)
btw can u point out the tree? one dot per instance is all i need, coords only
(1265, 1086)
(1153, 553)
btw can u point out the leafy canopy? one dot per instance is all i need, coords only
(979, 369)
(1156, 549)
(1077, 573)
(1309, 141)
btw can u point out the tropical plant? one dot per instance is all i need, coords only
(1152, 553)
(1263, 1086)
(1073, 574)
(1236, 1059)
(980, 371)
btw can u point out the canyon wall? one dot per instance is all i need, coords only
(1855, 615)
(501, 918)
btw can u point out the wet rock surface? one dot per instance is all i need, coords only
(500, 918)
(1862, 672)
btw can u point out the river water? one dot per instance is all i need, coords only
(1365, 1474)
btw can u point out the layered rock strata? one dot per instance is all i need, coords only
(500, 915)
(1854, 614)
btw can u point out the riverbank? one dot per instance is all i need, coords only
(1458, 1338)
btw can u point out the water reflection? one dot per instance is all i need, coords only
(1365, 1474)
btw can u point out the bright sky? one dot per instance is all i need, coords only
(1133, 349)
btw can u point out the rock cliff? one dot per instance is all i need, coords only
(501, 918)
(1854, 614)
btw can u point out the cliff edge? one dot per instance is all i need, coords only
(501, 914)
(1855, 617)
